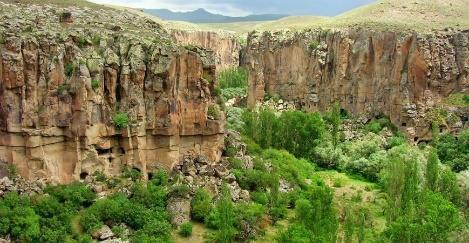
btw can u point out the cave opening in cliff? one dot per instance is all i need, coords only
(83, 175)
(103, 151)
(150, 176)
(404, 124)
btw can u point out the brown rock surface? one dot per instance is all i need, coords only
(225, 45)
(61, 85)
(400, 75)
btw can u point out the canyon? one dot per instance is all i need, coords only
(370, 73)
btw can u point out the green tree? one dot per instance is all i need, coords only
(431, 174)
(334, 120)
(226, 217)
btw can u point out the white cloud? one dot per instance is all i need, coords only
(220, 8)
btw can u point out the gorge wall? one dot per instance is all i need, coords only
(370, 73)
(225, 46)
(65, 73)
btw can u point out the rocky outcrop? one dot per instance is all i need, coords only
(370, 73)
(62, 86)
(225, 45)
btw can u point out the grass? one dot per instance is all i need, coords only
(61, 3)
(459, 100)
(198, 234)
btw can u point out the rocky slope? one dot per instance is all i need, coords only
(225, 46)
(65, 75)
(370, 73)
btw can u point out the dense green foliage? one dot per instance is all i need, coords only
(201, 205)
(295, 131)
(414, 214)
(121, 120)
(454, 151)
(95, 84)
(233, 78)
(47, 218)
(185, 230)
(315, 219)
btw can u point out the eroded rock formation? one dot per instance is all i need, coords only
(61, 85)
(370, 73)
(225, 45)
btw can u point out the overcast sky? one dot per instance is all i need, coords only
(245, 7)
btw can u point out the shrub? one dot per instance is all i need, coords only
(260, 197)
(230, 93)
(214, 112)
(234, 118)
(63, 89)
(12, 171)
(179, 190)
(69, 69)
(185, 230)
(454, 151)
(96, 40)
(395, 141)
(201, 205)
(131, 173)
(248, 219)
(76, 195)
(18, 219)
(95, 84)
(313, 45)
(121, 120)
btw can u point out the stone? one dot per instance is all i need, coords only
(179, 210)
(103, 233)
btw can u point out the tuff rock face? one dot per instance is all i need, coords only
(400, 75)
(62, 82)
(225, 46)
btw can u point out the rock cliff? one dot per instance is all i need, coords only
(67, 74)
(225, 45)
(370, 73)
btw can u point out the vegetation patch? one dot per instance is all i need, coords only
(121, 120)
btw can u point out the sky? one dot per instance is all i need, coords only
(246, 7)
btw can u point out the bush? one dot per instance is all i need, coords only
(121, 120)
(313, 45)
(69, 69)
(378, 125)
(18, 219)
(77, 195)
(201, 205)
(395, 141)
(230, 93)
(234, 118)
(214, 112)
(185, 230)
(95, 84)
(131, 173)
(454, 151)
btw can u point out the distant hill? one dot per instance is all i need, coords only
(203, 16)
(404, 15)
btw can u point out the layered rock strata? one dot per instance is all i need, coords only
(63, 86)
(225, 45)
(370, 73)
